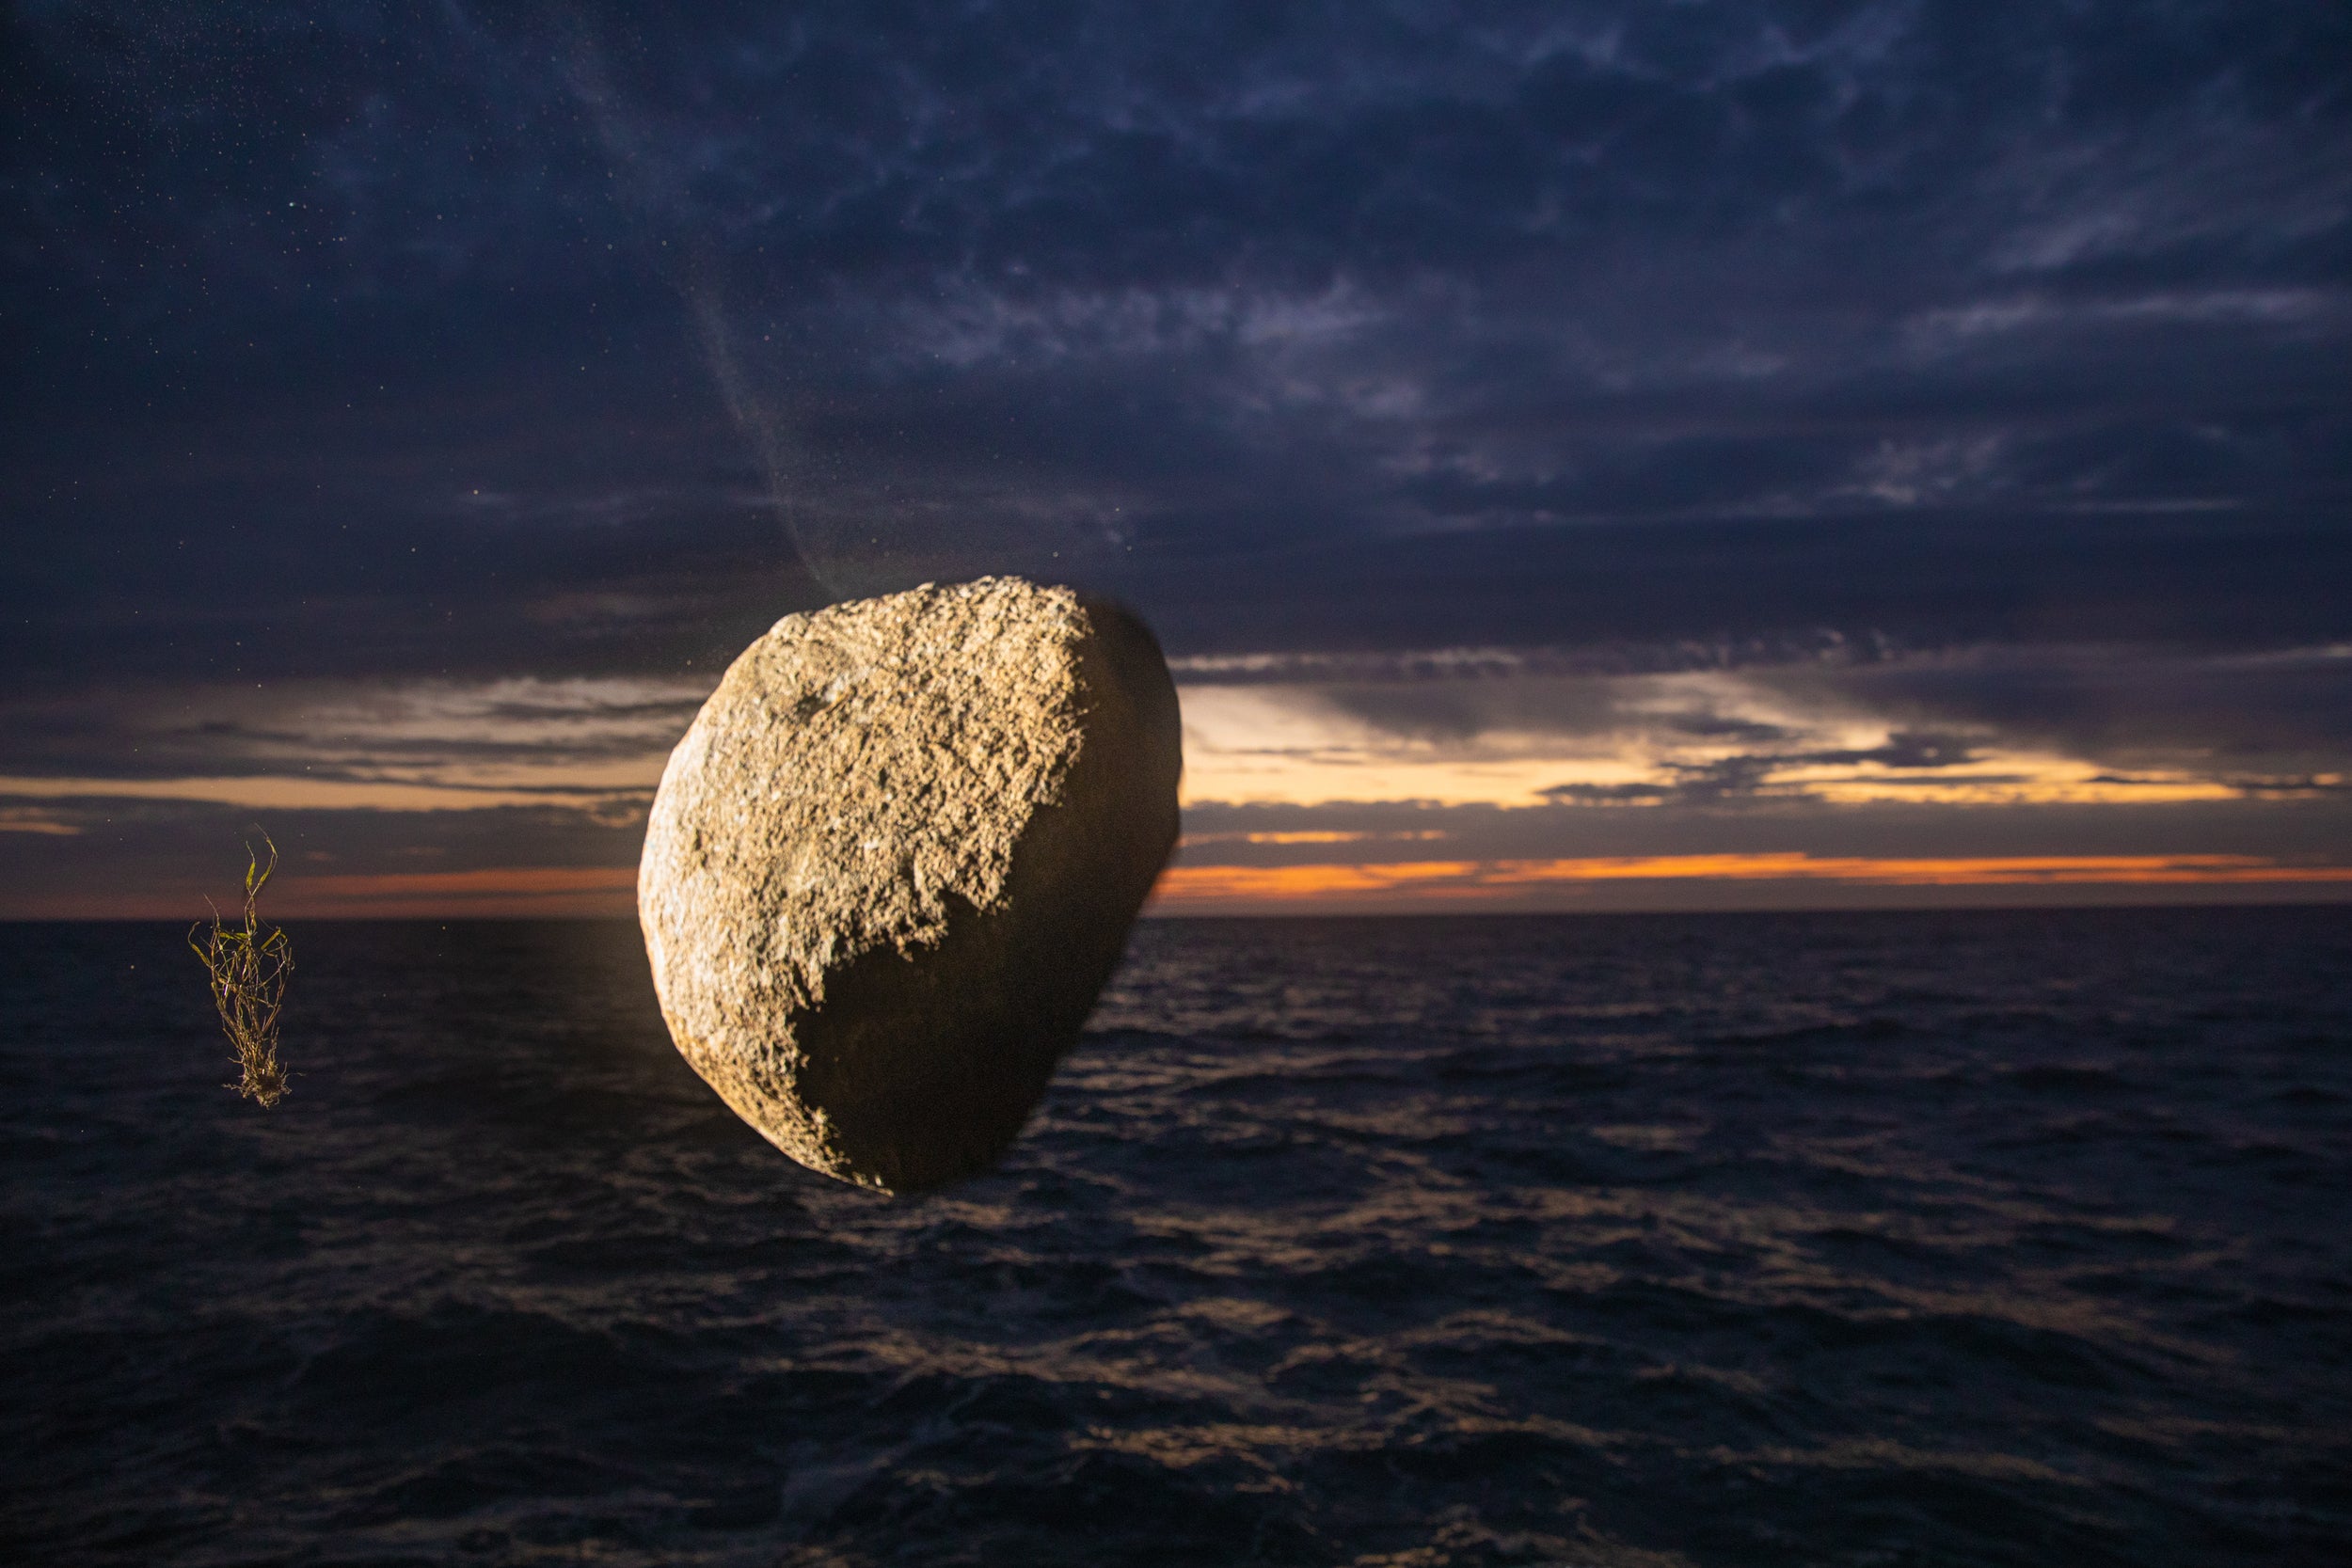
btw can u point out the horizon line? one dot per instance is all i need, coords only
(1693, 884)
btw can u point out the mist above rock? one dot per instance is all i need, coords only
(895, 859)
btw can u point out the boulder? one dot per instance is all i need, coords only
(894, 860)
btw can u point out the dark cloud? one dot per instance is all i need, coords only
(1714, 727)
(1744, 775)
(2231, 715)
(1904, 748)
(1463, 710)
(509, 735)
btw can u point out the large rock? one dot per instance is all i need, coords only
(894, 860)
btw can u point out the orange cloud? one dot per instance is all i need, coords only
(513, 890)
(1448, 882)
(1422, 835)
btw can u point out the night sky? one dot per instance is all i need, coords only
(1722, 454)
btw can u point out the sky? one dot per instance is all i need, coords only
(1662, 454)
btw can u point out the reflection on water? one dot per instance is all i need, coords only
(1733, 1240)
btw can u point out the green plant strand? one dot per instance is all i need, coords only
(249, 966)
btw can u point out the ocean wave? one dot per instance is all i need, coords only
(1719, 1241)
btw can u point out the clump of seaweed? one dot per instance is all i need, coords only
(249, 966)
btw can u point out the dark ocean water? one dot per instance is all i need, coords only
(1984, 1238)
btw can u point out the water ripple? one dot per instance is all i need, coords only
(1955, 1239)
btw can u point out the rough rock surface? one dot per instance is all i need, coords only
(895, 859)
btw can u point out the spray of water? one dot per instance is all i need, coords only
(694, 268)
(765, 431)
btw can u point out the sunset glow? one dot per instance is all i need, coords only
(1454, 882)
(1642, 741)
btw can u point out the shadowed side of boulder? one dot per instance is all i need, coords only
(927, 1063)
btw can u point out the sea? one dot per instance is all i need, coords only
(1871, 1239)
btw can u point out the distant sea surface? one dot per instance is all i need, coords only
(1982, 1238)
